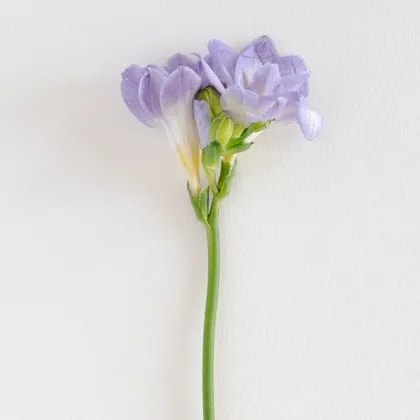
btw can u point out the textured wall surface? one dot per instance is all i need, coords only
(102, 271)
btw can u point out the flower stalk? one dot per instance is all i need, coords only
(213, 247)
(207, 208)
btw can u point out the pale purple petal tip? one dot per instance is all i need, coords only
(291, 64)
(149, 91)
(200, 69)
(294, 74)
(178, 60)
(223, 61)
(133, 73)
(130, 92)
(264, 49)
(182, 84)
(210, 75)
(310, 123)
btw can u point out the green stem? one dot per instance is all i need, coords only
(211, 309)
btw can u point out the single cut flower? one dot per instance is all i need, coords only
(212, 108)
(258, 84)
(164, 96)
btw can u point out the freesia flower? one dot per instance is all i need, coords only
(258, 84)
(164, 96)
(212, 108)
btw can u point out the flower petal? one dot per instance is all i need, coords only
(266, 79)
(133, 73)
(291, 64)
(275, 111)
(294, 73)
(247, 64)
(130, 92)
(310, 123)
(223, 61)
(200, 70)
(178, 60)
(180, 87)
(264, 49)
(246, 107)
(258, 52)
(210, 75)
(149, 91)
(176, 100)
(202, 118)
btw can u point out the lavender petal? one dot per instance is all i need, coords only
(202, 119)
(246, 66)
(265, 79)
(294, 73)
(246, 107)
(264, 49)
(223, 61)
(176, 100)
(310, 123)
(211, 76)
(178, 60)
(149, 91)
(130, 92)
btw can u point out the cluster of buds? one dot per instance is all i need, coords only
(218, 158)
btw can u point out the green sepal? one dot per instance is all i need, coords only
(203, 201)
(200, 203)
(237, 131)
(227, 173)
(254, 128)
(237, 146)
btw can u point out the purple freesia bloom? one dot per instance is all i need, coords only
(255, 85)
(164, 96)
(258, 84)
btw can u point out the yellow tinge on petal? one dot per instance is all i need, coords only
(190, 159)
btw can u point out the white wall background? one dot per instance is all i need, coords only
(102, 272)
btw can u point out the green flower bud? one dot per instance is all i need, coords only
(237, 131)
(221, 129)
(210, 157)
(259, 126)
(212, 97)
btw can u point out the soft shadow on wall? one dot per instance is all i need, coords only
(98, 153)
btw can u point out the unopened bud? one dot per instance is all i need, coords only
(210, 157)
(259, 126)
(212, 97)
(237, 131)
(221, 129)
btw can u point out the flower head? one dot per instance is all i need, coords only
(214, 106)
(257, 84)
(164, 96)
